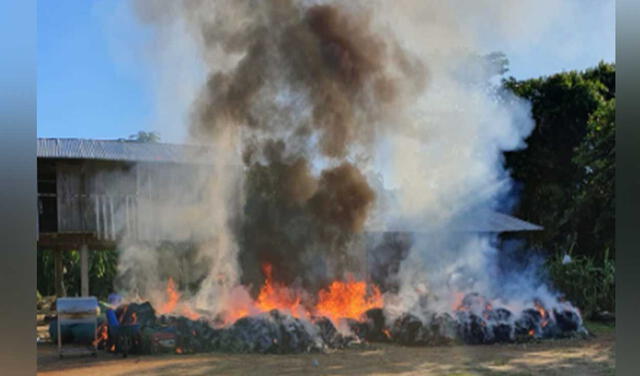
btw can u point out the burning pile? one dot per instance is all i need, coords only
(276, 332)
(268, 332)
(475, 321)
(271, 330)
(347, 312)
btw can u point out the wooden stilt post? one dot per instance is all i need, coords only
(84, 270)
(58, 273)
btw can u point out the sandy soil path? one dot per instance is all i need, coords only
(595, 356)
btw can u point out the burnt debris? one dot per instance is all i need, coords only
(270, 332)
(275, 332)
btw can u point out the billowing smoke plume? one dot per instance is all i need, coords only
(311, 88)
(305, 105)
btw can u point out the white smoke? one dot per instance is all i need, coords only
(445, 160)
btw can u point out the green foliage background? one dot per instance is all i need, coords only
(567, 175)
(102, 272)
(587, 283)
(567, 171)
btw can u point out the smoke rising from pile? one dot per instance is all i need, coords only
(312, 85)
(304, 102)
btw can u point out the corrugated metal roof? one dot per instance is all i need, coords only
(500, 222)
(114, 150)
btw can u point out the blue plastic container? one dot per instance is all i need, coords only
(72, 333)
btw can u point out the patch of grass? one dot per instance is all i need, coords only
(500, 362)
(598, 328)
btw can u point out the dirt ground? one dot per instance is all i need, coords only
(594, 356)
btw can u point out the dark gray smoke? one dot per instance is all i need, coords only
(322, 63)
(311, 83)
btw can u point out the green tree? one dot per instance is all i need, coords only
(563, 169)
(143, 136)
(593, 209)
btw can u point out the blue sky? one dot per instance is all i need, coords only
(91, 84)
(83, 91)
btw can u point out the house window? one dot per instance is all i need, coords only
(47, 197)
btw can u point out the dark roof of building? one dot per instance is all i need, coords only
(500, 222)
(485, 221)
(114, 150)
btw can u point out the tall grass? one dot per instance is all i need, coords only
(586, 282)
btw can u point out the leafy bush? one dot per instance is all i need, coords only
(102, 271)
(587, 283)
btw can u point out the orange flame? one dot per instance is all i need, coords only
(187, 312)
(543, 314)
(173, 302)
(179, 350)
(274, 296)
(342, 299)
(457, 302)
(347, 300)
(102, 334)
(234, 315)
(532, 332)
(173, 296)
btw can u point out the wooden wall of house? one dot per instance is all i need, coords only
(106, 198)
(92, 194)
(69, 191)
